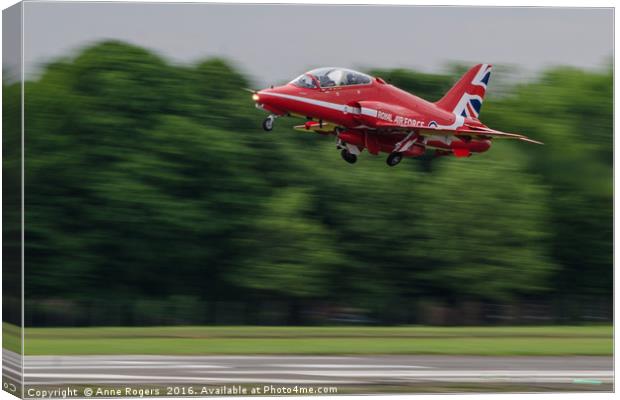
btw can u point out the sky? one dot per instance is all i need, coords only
(275, 43)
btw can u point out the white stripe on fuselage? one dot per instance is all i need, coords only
(320, 103)
(370, 112)
(459, 120)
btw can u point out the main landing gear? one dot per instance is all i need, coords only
(268, 123)
(394, 158)
(347, 152)
(348, 156)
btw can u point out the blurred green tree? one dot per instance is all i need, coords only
(572, 112)
(484, 222)
(149, 183)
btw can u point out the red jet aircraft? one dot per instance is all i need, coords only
(367, 113)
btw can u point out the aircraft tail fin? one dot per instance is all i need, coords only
(466, 96)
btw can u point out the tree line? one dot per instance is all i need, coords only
(154, 197)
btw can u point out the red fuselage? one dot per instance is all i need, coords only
(366, 113)
(374, 115)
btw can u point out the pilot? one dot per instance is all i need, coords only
(326, 82)
(351, 79)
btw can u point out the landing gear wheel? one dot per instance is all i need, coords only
(394, 158)
(268, 123)
(348, 156)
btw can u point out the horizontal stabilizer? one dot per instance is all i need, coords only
(480, 132)
(527, 139)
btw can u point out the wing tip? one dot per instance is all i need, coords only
(527, 139)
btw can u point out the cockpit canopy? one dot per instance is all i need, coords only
(331, 77)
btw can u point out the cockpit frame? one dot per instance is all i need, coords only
(331, 77)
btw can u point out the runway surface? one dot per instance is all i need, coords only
(306, 370)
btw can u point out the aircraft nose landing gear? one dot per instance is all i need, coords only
(394, 158)
(268, 123)
(348, 156)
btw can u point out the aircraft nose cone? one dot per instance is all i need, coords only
(265, 98)
(261, 96)
(270, 100)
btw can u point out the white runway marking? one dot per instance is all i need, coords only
(80, 378)
(14, 371)
(155, 358)
(463, 374)
(13, 363)
(474, 377)
(122, 366)
(349, 366)
(330, 370)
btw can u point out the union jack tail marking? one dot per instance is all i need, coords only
(466, 96)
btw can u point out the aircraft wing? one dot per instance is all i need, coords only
(480, 132)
